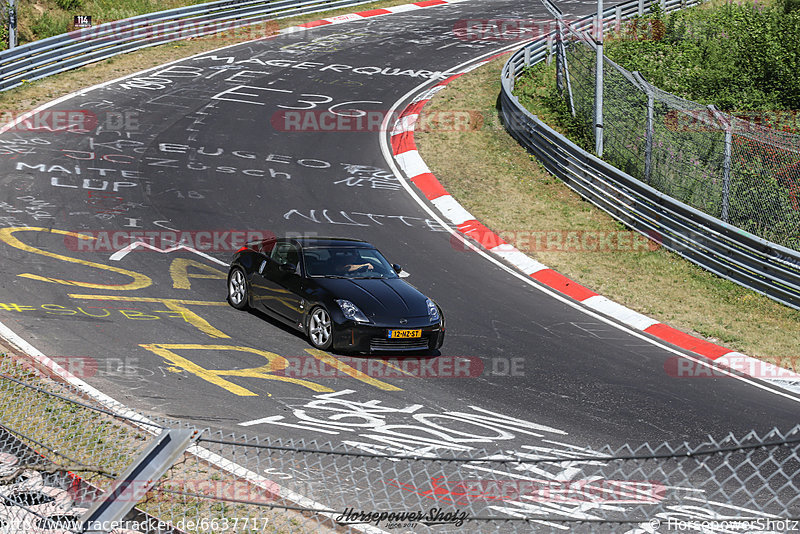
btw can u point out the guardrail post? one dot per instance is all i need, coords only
(726, 162)
(618, 19)
(641, 7)
(136, 481)
(648, 148)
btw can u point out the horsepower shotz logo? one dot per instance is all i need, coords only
(433, 516)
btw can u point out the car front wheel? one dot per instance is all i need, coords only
(237, 289)
(320, 329)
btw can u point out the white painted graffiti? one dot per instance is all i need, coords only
(30, 206)
(368, 176)
(339, 413)
(327, 43)
(356, 218)
(365, 70)
(579, 489)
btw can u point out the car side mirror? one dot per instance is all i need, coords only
(288, 267)
(396, 268)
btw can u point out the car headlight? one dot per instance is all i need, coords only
(433, 311)
(351, 311)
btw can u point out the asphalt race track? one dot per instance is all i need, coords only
(201, 146)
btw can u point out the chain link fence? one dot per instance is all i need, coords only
(59, 452)
(728, 167)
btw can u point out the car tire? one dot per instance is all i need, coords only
(237, 289)
(320, 328)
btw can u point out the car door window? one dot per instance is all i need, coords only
(284, 253)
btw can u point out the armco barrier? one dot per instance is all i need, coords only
(723, 249)
(67, 51)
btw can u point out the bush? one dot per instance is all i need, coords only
(48, 25)
(737, 57)
(791, 5)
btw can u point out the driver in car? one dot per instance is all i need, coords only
(349, 264)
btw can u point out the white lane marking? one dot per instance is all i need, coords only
(389, 158)
(121, 253)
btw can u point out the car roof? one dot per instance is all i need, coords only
(330, 242)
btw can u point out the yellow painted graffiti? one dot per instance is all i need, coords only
(214, 376)
(179, 271)
(178, 306)
(328, 359)
(7, 235)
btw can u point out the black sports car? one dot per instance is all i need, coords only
(342, 293)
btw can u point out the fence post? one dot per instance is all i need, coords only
(648, 150)
(726, 162)
(550, 47)
(641, 7)
(618, 19)
(570, 99)
(598, 86)
(12, 24)
(562, 68)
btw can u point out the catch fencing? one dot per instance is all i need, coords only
(61, 452)
(741, 172)
(77, 48)
(663, 164)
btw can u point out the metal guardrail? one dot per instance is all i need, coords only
(765, 267)
(74, 49)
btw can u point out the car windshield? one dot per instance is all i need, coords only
(346, 262)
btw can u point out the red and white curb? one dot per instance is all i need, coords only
(360, 15)
(404, 151)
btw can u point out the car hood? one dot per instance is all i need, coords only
(378, 298)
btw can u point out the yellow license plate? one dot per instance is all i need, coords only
(404, 334)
